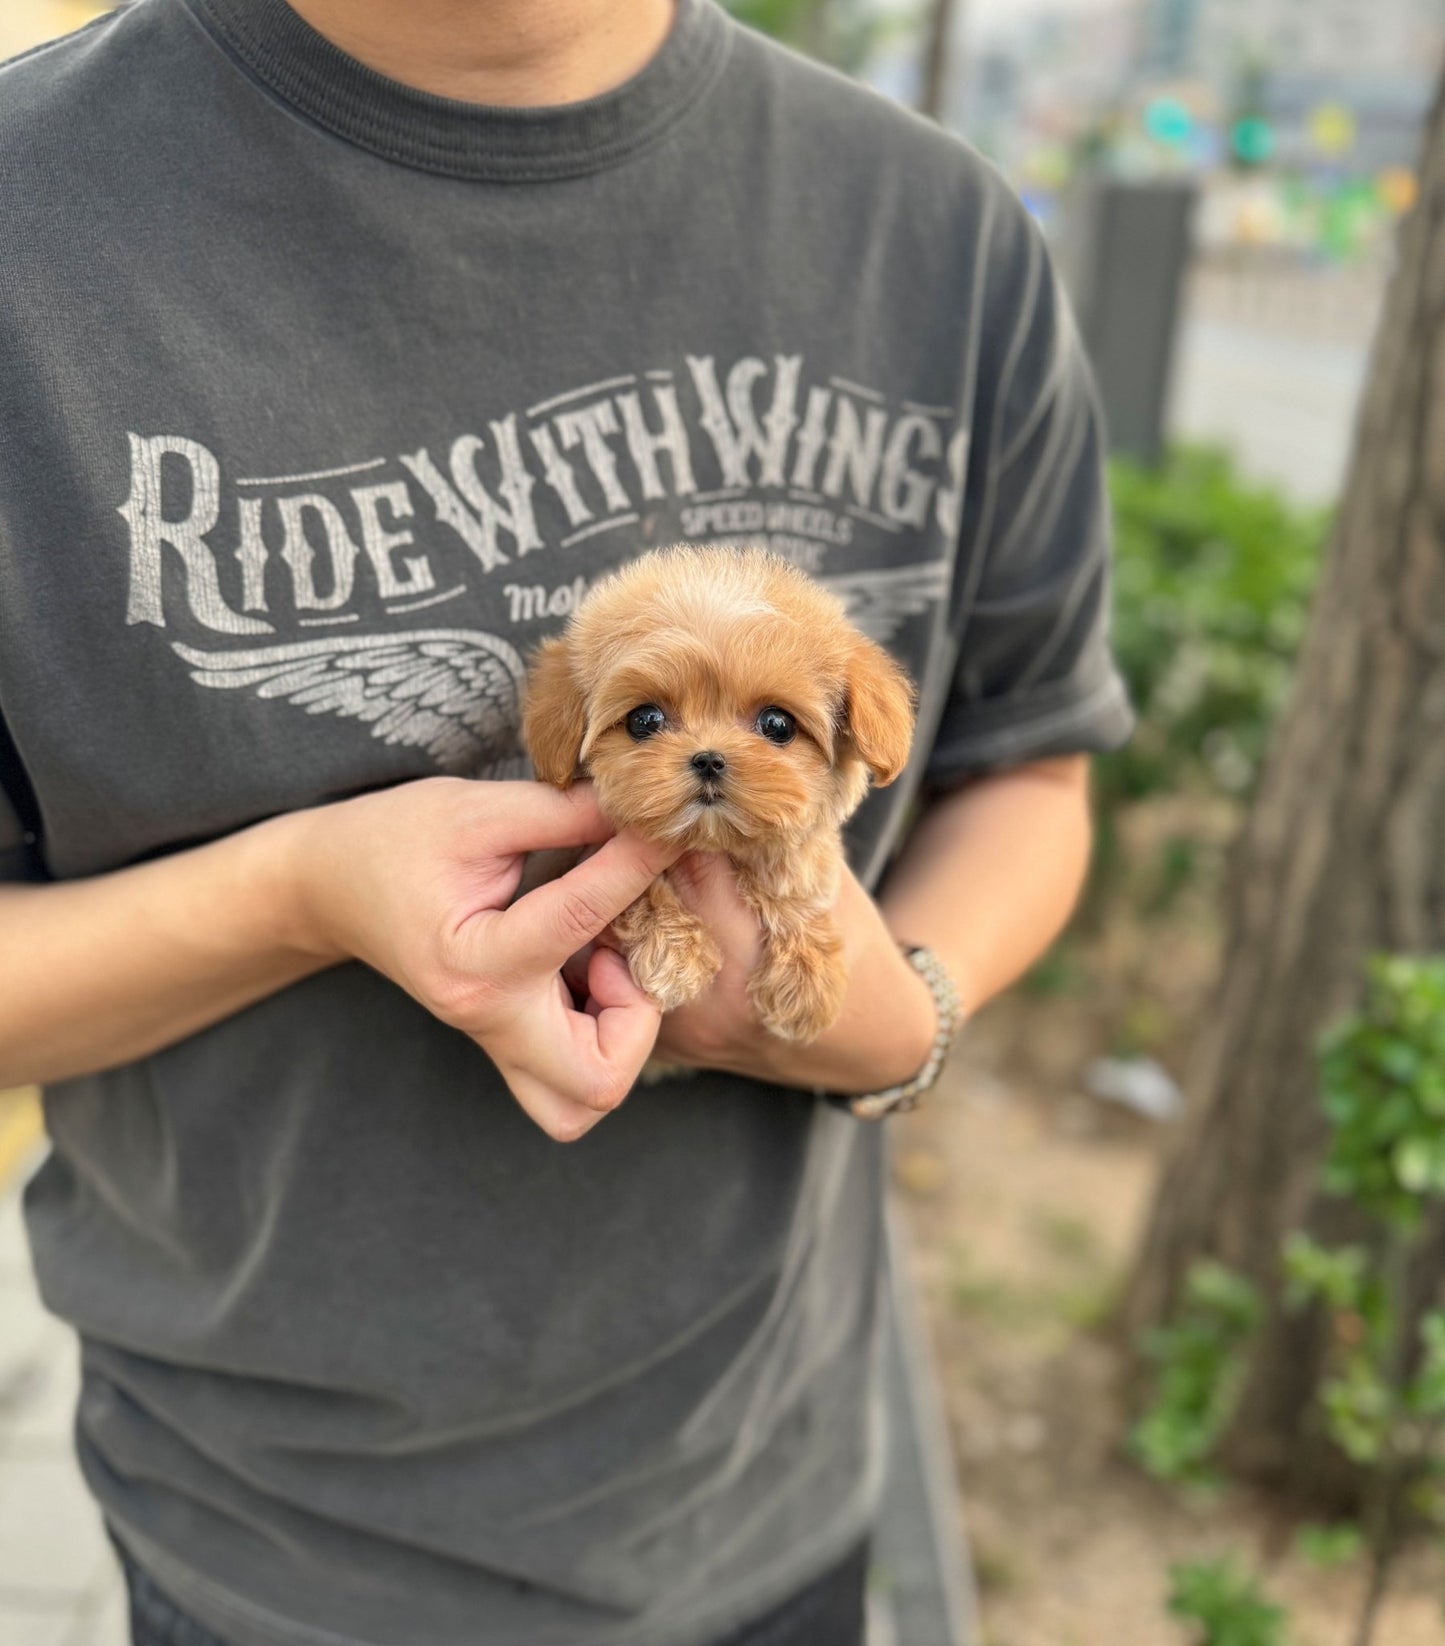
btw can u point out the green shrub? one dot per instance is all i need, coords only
(844, 33)
(1213, 579)
(1226, 1603)
(1383, 1088)
(1200, 1361)
(1212, 585)
(1381, 1391)
(1327, 1546)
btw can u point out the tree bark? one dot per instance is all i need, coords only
(1343, 854)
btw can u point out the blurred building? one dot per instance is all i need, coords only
(1331, 37)
(1041, 75)
(1168, 38)
(1361, 72)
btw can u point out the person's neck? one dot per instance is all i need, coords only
(518, 53)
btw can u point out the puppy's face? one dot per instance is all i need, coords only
(717, 700)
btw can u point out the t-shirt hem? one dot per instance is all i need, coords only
(242, 1622)
(1079, 717)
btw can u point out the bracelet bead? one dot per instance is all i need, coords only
(899, 1099)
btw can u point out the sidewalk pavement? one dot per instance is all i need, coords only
(60, 1584)
(1285, 405)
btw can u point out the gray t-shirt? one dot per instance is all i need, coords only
(321, 400)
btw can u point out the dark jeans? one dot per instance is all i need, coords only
(828, 1612)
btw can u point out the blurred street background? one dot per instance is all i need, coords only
(1225, 183)
(1296, 122)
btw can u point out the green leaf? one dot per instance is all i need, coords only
(1228, 1605)
(1414, 1161)
(1338, 1276)
(1212, 582)
(1358, 1410)
(1329, 1545)
(1382, 1089)
(1200, 1360)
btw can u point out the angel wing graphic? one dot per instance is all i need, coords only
(878, 602)
(454, 692)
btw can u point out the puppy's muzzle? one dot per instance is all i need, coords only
(709, 766)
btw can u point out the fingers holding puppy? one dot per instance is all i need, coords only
(569, 1067)
(542, 929)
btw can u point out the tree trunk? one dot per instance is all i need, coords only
(1343, 854)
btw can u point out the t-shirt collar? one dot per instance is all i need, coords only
(480, 141)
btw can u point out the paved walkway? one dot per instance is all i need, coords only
(1281, 392)
(59, 1582)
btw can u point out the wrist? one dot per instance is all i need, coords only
(949, 1015)
(287, 875)
(911, 1017)
(884, 1036)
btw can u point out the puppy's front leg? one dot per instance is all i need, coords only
(798, 988)
(671, 953)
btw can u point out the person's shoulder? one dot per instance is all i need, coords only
(849, 120)
(74, 95)
(51, 74)
(88, 120)
(867, 151)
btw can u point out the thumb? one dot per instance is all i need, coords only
(627, 1021)
(609, 983)
(539, 931)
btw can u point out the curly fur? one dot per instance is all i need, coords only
(713, 636)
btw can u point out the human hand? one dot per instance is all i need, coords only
(417, 881)
(881, 1037)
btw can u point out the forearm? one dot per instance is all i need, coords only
(100, 971)
(991, 873)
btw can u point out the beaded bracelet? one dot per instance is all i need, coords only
(899, 1099)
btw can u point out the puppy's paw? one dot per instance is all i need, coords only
(673, 961)
(798, 990)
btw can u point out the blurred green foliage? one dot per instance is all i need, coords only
(1213, 578)
(1382, 1084)
(1382, 1387)
(1383, 1087)
(1327, 1546)
(1200, 1363)
(844, 33)
(1226, 1603)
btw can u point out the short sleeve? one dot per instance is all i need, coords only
(1035, 676)
(19, 847)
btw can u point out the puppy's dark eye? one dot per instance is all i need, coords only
(777, 725)
(645, 721)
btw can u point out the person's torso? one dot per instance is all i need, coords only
(303, 447)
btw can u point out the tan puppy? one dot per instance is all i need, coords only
(721, 700)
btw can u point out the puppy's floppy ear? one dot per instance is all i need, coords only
(879, 710)
(555, 714)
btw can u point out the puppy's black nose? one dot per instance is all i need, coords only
(708, 763)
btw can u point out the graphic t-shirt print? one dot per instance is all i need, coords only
(308, 588)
